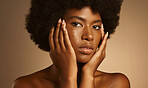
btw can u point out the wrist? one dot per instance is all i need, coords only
(68, 82)
(68, 79)
(69, 76)
(87, 72)
(87, 75)
(69, 73)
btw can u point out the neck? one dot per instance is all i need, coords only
(80, 66)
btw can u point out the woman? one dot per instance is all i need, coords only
(73, 33)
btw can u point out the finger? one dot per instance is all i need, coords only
(61, 40)
(51, 43)
(104, 53)
(56, 35)
(103, 44)
(66, 37)
(97, 58)
(102, 31)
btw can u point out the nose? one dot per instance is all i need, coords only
(87, 34)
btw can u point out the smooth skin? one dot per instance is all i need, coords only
(72, 68)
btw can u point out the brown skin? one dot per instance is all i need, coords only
(73, 68)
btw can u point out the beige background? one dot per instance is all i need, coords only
(126, 52)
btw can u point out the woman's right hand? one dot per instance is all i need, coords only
(61, 50)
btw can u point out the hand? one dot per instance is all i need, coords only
(61, 50)
(90, 67)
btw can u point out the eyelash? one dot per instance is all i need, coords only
(75, 24)
(96, 26)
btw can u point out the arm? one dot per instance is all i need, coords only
(87, 81)
(68, 82)
(63, 55)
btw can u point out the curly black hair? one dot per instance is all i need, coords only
(44, 14)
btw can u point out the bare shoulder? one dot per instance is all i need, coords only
(35, 80)
(121, 81)
(111, 80)
(22, 82)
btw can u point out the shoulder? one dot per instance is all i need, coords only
(121, 81)
(35, 80)
(112, 80)
(23, 82)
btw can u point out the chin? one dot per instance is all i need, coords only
(83, 59)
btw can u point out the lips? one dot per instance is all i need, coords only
(86, 49)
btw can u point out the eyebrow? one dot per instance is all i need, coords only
(82, 19)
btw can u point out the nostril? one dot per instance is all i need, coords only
(85, 39)
(88, 37)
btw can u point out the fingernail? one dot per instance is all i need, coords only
(63, 23)
(102, 26)
(59, 20)
(107, 34)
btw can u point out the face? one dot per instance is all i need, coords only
(84, 32)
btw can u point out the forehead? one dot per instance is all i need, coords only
(85, 13)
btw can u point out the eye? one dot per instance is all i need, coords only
(97, 27)
(76, 24)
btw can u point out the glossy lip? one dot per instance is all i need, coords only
(86, 49)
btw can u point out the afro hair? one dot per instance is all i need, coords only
(44, 14)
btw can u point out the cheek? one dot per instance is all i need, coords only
(74, 36)
(97, 38)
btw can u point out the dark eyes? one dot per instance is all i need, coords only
(97, 27)
(77, 24)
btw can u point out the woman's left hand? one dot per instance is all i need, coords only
(90, 67)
